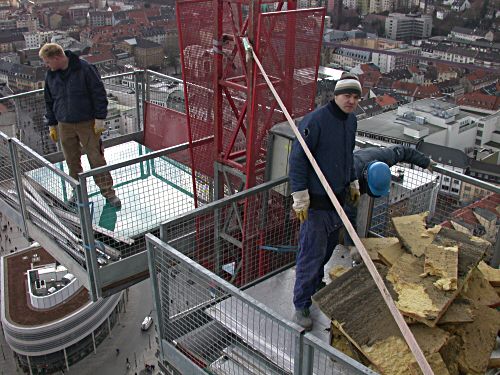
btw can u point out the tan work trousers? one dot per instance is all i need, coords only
(77, 137)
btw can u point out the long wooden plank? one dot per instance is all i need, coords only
(405, 330)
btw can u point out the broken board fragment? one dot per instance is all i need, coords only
(442, 261)
(411, 231)
(491, 274)
(353, 299)
(480, 291)
(435, 361)
(336, 271)
(476, 341)
(387, 249)
(417, 296)
(460, 311)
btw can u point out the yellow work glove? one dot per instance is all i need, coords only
(431, 166)
(354, 193)
(99, 127)
(53, 133)
(301, 204)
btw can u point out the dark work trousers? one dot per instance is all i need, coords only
(351, 213)
(319, 235)
(78, 136)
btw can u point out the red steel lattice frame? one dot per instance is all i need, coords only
(227, 97)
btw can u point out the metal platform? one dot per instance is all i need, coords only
(150, 178)
(261, 334)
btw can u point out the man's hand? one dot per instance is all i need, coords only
(53, 133)
(354, 193)
(99, 127)
(301, 204)
(431, 166)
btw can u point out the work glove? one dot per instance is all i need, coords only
(99, 127)
(301, 203)
(431, 166)
(53, 133)
(354, 193)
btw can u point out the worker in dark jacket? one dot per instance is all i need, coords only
(329, 133)
(76, 108)
(371, 167)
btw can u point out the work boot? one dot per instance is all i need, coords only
(115, 202)
(302, 318)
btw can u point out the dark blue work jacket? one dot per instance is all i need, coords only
(75, 94)
(330, 134)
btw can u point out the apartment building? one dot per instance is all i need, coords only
(406, 27)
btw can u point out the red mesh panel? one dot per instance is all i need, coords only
(163, 127)
(288, 47)
(195, 22)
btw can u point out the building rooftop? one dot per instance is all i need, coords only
(385, 125)
(18, 310)
(444, 155)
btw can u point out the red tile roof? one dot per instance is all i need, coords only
(466, 214)
(385, 100)
(480, 100)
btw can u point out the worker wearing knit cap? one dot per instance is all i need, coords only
(329, 133)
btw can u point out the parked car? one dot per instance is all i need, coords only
(146, 323)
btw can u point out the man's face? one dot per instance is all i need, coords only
(55, 62)
(347, 102)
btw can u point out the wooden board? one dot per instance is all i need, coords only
(336, 271)
(417, 296)
(352, 300)
(435, 361)
(460, 311)
(387, 249)
(411, 231)
(477, 341)
(491, 274)
(442, 261)
(480, 291)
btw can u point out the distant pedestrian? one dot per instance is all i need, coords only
(127, 361)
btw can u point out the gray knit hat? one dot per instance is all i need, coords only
(347, 84)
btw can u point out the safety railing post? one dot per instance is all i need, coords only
(307, 361)
(138, 104)
(150, 248)
(146, 88)
(16, 171)
(88, 238)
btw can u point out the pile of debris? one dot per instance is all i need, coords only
(439, 283)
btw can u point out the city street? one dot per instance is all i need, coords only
(138, 346)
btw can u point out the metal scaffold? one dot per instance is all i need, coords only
(227, 98)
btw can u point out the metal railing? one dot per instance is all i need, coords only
(69, 217)
(204, 322)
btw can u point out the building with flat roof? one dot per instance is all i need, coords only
(47, 317)
(400, 26)
(432, 120)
